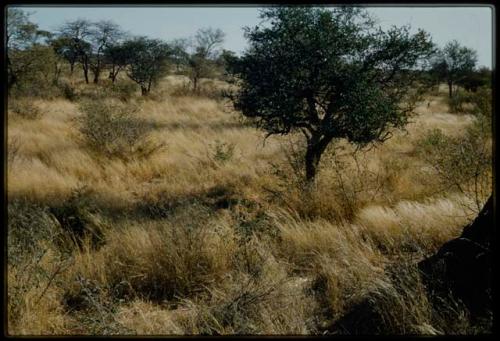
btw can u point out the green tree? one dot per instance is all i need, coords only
(202, 61)
(63, 47)
(475, 79)
(116, 57)
(464, 163)
(329, 74)
(76, 34)
(454, 63)
(148, 60)
(180, 56)
(21, 38)
(103, 34)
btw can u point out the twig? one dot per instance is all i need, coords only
(59, 267)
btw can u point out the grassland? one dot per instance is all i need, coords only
(213, 233)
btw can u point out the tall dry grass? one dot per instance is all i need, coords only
(215, 233)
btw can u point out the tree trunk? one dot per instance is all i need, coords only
(86, 74)
(113, 74)
(450, 89)
(195, 84)
(96, 76)
(57, 73)
(12, 79)
(71, 68)
(315, 148)
(312, 161)
(149, 84)
(144, 91)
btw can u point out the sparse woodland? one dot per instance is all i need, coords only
(162, 188)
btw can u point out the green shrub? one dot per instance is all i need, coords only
(13, 147)
(67, 91)
(29, 224)
(123, 91)
(182, 91)
(25, 108)
(481, 102)
(458, 102)
(222, 152)
(462, 163)
(478, 102)
(112, 130)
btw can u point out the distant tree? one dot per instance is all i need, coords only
(63, 47)
(147, 59)
(206, 48)
(21, 32)
(180, 56)
(329, 74)
(223, 62)
(475, 79)
(21, 38)
(453, 63)
(58, 57)
(77, 35)
(116, 57)
(225, 57)
(103, 34)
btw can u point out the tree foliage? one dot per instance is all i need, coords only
(180, 56)
(202, 61)
(464, 163)
(116, 57)
(76, 35)
(148, 60)
(22, 39)
(453, 63)
(475, 79)
(329, 74)
(103, 34)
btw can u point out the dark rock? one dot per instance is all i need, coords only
(481, 229)
(463, 266)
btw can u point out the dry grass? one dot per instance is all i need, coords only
(413, 225)
(195, 242)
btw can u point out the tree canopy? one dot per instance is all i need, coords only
(202, 61)
(21, 37)
(453, 63)
(328, 73)
(147, 61)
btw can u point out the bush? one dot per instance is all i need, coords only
(25, 109)
(168, 261)
(463, 163)
(112, 130)
(13, 147)
(207, 89)
(478, 102)
(457, 103)
(482, 101)
(348, 182)
(222, 152)
(35, 263)
(28, 225)
(78, 216)
(266, 303)
(183, 90)
(67, 91)
(398, 304)
(123, 91)
(36, 73)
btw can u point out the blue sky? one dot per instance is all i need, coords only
(471, 26)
